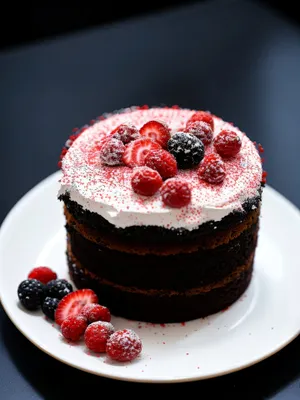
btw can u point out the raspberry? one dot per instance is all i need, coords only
(227, 143)
(202, 130)
(212, 169)
(203, 116)
(112, 152)
(97, 334)
(187, 149)
(124, 345)
(95, 312)
(145, 181)
(73, 327)
(163, 162)
(176, 193)
(42, 274)
(126, 133)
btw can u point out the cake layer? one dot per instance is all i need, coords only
(163, 306)
(179, 272)
(156, 240)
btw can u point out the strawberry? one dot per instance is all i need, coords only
(202, 116)
(163, 162)
(72, 304)
(136, 151)
(146, 181)
(42, 274)
(157, 131)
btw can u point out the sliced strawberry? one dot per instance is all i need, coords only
(72, 304)
(157, 131)
(136, 151)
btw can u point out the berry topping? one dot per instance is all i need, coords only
(112, 152)
(157, 131)
(95, 312)
(49, 307)
(97, 334)
(163, 162)
(187, 149)
(136, 151)
(73, 303)
(202, 130)
(227, 143)
(42, 274)
(73, 327)
(31, 293)
(203, 116)
(126, 133)
(176, 193)
(58, 288)
(146, 181)
(124, 345)
(212, 169)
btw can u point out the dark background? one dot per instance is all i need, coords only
(35, 21)
(60, 66)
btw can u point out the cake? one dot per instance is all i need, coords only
(162, 208)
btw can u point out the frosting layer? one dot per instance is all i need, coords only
(107, 190)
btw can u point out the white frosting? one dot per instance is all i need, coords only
(107, 190)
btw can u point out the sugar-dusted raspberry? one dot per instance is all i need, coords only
(202, 130)
(112, 151)
(146, 181)
(126, 133)
(42, 274)
(176, 193)
(203, 116)
(73, 327)
(97, 334)
(95, 312)
(163, 162)
(212, 169)
(227, 143)
(124, 345)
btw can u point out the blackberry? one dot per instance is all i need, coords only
(31, 293)
(58, 288)
(49, 306)
(187, 149)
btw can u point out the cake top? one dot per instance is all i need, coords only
(168, 167)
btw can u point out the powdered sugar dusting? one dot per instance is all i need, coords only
(107, 190)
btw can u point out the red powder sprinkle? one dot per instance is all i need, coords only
(260, 148)
(144, 107)
(163, 325)
(182, 323)
(225, 309)
(92, 121)
(187, 354)
(75, 129)
(175, 107)
(163, 342)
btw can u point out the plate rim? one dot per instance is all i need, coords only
(6, 223)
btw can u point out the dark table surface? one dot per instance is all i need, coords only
(235, 58)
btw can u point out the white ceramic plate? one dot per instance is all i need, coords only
(263, 321)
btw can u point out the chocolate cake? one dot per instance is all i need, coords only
(162, 211)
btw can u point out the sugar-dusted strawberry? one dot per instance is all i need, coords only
(202, 130)
(163, 162)
(126, 133)
(97, 334)
(157, 131)
(136, 151)
(112, 151)
(227, 143)
(72, 304)
(212, 169)
(95, 312)
(42, 274)
(124, 345)
(176, 193)
(203, 116)
(73, 327)
(146, 181)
